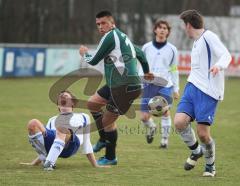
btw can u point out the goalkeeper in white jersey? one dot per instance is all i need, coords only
(162, 59)
(205, 87)
(63, 135)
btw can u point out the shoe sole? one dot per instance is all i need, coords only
(209, 174)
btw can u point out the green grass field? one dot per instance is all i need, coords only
(139, 162)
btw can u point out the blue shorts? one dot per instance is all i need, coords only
(151, 90)
(198, 105)
(70, 148)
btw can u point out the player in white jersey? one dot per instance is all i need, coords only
(162, 59)
(62, 136)
(205, 87)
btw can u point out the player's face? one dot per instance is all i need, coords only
(189, 30)
(162, 32)
(65, 101)
(104, 24)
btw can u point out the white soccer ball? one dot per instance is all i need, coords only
(158, 106)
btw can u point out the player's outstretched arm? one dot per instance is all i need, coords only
(93, 161)
(35, 162)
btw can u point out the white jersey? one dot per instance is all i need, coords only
(82, 121)
(163, 62)
(209, 51)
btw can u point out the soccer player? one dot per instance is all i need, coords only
(162, 59)
(205, 87)
(122, 82)
(56, 140)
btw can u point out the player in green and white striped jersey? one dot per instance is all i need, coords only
(122, 82)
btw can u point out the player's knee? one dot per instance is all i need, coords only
(179, 123)
(203, 136)
(90, 105)
(32, 125)
(145, 117)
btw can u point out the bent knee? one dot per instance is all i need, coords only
(35, 126)
(33, 123)
(180, 122)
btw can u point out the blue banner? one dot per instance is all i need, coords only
(23, 62)
(62, 61)
(1, 61)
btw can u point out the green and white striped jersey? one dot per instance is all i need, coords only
(120, 59)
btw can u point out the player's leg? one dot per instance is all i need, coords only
(204, 116)
(147, 121)
(36, 132)
(95, 104)
(111, 136)
(208, 146)
(62, 137)
(150, 126)
(119, 104)
(184, 115)
(166, 121)
(183, 127)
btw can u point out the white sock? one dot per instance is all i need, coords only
(37, 142)
(209, 152)
(55, 151)
(166, 126)
(149, 124)
(189, 138)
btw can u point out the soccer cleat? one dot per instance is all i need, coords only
(163, 146)
(192, 161)
(210, 171)
(104, 161)
(98, 146)
(48, 166)
(150, 135)
(164, 143)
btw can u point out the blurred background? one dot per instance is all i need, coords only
(53, 29)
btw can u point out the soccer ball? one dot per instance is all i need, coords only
(158, 106)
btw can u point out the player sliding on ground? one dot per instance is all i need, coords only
(62, 136)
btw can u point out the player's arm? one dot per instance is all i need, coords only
(105, 46)
(144, 63)
(175, 74)
(223, 55)
(86, 146)
(93, 161)
(35, 162)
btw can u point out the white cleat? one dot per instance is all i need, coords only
(210, 171)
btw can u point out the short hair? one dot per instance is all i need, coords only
(193, 17)
(104, 13)
(158, 23)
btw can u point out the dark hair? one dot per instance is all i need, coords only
(104, 13)
(193, 17)
(158, 23)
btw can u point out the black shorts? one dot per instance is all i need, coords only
(119, 98)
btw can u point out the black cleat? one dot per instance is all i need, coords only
(192, 161)
(150, 135)
(163, 146)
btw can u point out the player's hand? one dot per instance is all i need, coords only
(214, 70)
(82, 50)
(175, 95)
(29, 163)
(103, 166)
(149, 76)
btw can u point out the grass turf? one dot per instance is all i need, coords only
(139, 162)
